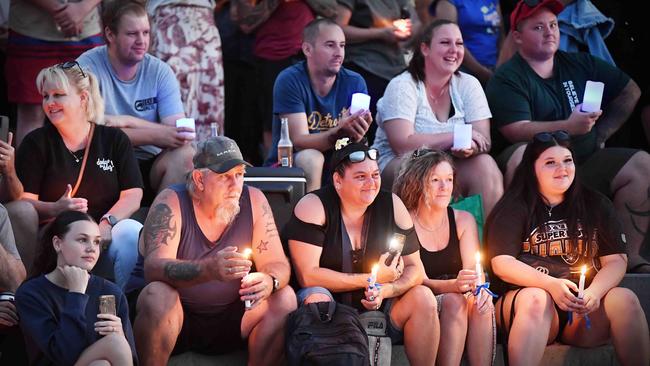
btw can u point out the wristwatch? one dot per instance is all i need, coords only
(276, 283)
(112, 220)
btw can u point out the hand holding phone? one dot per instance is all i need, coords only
(395, 247)
(107, 305)
(593, 96)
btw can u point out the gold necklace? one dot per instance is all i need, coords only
(419, 221)
(442, 92)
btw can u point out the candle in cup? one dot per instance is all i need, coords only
(581, 284)
(247, 254)
(479, 270)
(373, 276)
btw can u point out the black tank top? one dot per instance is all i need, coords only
(445, 263)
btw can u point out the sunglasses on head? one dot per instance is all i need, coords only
(70, 64)
(359, 156)
(421, 152)
(559, 135)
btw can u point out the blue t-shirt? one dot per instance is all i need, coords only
(153, 94)
(479, 22)
(60, 323)
(293, 93)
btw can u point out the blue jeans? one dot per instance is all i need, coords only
(118, 260)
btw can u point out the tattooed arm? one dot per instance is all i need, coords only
(161, 236)
(268, 254)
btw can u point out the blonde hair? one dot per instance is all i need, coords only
(415, 171)
(81, 81)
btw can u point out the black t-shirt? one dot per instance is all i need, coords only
(508, 235)
(45, 166)
(517, 93)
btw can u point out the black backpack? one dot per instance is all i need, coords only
(326, 334)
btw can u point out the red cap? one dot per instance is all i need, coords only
(523, 10)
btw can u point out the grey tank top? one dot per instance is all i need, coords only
(213, 296)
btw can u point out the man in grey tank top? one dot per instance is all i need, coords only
(193, 243)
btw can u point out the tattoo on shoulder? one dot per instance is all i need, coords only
(270, 230)
(182, 271)
(158, 228)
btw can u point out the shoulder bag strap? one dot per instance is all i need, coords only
(83, 162)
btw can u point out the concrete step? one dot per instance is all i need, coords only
(555, 354)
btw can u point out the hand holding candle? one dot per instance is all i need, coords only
(373, 276)
(247, 253)
(581, 284)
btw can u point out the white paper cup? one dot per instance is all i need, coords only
(462, 136)
(188, 123)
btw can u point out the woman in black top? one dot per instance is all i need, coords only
(544, 230)
(50, 161)
(449, 242)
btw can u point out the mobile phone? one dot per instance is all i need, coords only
(4, 128)
(395, 247)
(107, 304)
(593, 96)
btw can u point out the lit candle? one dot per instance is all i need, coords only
(479, 270)
(247, 253)
(401, 25)
(581, 284)
(373, 276)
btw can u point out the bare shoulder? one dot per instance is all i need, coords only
(310, 209)
(464, 219)
(402, 216)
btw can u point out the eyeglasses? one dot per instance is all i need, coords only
(70, 64)
(532, 3)
(559, 135)
(359, 156)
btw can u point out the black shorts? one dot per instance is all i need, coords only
(212, 334)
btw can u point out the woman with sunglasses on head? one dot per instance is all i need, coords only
(448, 244)
(541, 233)
(337, 234)
(421, 106)
(76, 163)
(59, 305)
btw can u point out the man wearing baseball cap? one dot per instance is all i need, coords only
(541, 89)
(193, 246)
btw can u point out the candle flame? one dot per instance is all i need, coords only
(583, 270)
(400, 24)
(247, 252)
(375, 269)
(478, 257)
(393, 244)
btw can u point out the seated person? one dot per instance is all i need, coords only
(12, 274)
(336, 235)
(482, 28)
(540, 89)
(142, 95)
(448, 244)
(314, 95)
(544, 230)
(192, 248)
(422, 105)
(75, 144)
(59, 305)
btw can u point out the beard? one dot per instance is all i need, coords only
(227, 211)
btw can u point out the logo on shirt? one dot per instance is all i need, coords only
(319, 122)
(553, 239)
(570, 91)
(146, 104)
(105, 164)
